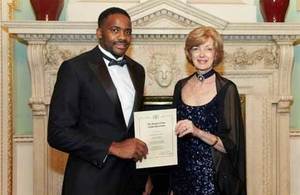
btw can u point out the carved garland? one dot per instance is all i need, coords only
(239, 59)
(243, 59)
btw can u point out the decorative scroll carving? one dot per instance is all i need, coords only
(54, 55)
(243, 59)
(36, 59)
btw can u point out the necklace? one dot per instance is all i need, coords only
(201, 77)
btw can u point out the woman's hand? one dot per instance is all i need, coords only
(184, 127)
(148, 186)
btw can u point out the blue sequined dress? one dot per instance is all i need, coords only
(194, 174)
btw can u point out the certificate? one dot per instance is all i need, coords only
(157, 129)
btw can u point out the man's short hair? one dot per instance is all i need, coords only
(110, 11)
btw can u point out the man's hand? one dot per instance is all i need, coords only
(129, 149)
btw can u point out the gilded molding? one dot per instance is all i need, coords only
(1, 108)
(12, 6)
(7, 139)
(10, 116)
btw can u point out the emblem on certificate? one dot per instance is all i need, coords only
(157, 129)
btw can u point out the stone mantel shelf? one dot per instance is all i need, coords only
(59, 27)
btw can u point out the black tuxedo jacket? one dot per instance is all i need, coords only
(85, 117)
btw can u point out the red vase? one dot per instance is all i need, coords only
(47, 9)
(273, 10)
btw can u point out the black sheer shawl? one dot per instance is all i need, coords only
(231, 166)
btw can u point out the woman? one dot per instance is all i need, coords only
(211, 137)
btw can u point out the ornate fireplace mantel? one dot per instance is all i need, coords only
(258, 58)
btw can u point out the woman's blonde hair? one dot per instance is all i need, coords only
(199, 36)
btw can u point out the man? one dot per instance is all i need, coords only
(91, 113)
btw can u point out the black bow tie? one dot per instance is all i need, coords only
(113, 62)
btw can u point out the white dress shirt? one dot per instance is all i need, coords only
(122, 81)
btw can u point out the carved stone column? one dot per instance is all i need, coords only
(36, 60)
(283, 103)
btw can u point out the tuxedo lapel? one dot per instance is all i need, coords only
(98, 66)
(138, 86)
